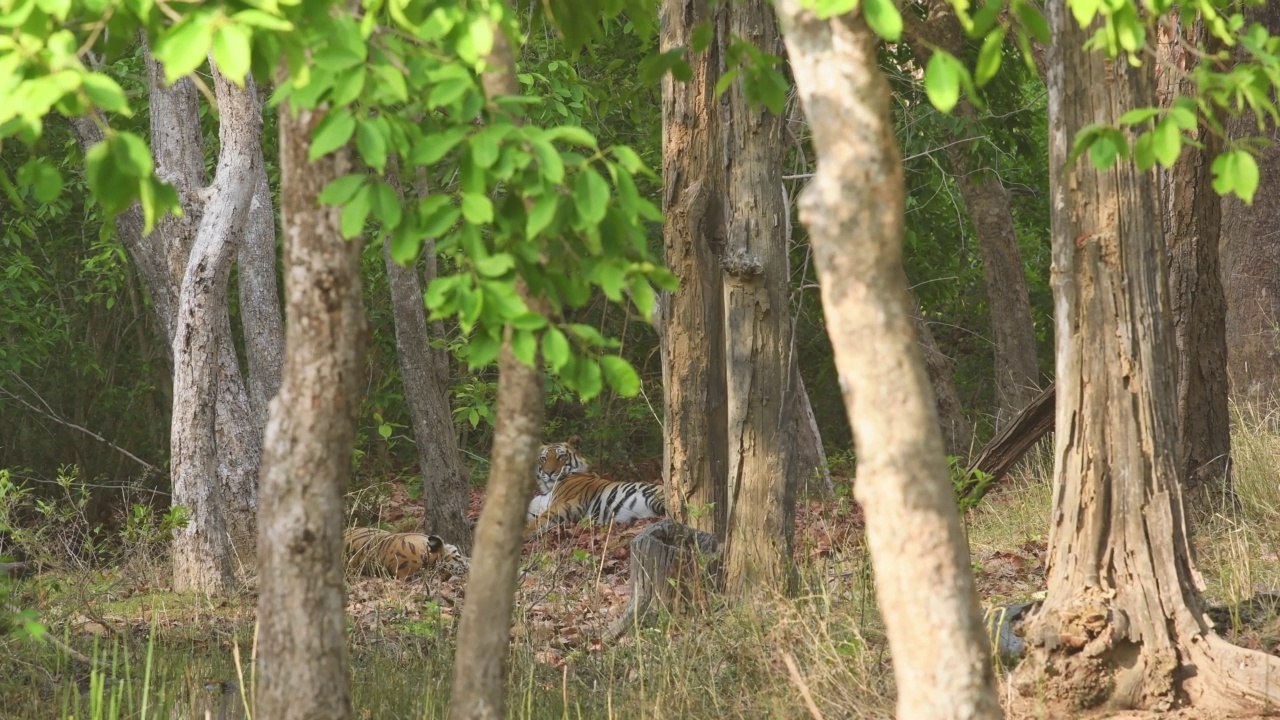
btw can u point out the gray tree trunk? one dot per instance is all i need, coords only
(480, 665)
(306, 465)
(445, 481)
(761, 392)
(260, 317)
(1123, 624)
(201, 551)
(957, 431)
(695, 456)
(854, 208)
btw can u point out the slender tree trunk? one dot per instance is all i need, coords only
(761, 392)
(957, 431)
(201, 552)
(695, 455)
(1251, 265)
(445, 481)
(306, 464)
(1193, 222)
(260, 300)
(1122, 624)
(1017, 369)
(854, 208)
(480, 666)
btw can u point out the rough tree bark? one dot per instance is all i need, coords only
(480, 666)
(1122, 623)
(1251, 265)
(760, 389)
(1193, 218)
(306, 463)
(445, 481)
(1017, 369)
(260, 317)
(201, 553)
(854, 208)
(695, 454)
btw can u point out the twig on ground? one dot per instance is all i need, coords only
(802, 686)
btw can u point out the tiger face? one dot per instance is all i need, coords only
(558, 461)
(374, 551)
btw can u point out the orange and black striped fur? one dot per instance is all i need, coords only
(603, 500)
(373, 551)
(558, 461)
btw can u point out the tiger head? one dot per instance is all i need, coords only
(447, 557)
(558, 461)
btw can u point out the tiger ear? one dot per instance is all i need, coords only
(574, 441)
(435, 543)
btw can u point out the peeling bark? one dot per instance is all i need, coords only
(854, 208)
(695, 456)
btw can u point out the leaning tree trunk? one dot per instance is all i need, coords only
(854, 208)
(1122, 623)
(306, 464)
(1193, 222)
(480, 666)
(695, 456)
(1251, 265)
(201, 552)
(445, 489)
(761, 394)
(1017, 369)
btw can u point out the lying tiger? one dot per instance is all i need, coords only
(570, 492)
(372, 551)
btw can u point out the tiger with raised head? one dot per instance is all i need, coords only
(599, 498)
(558, 461)
(373, 551)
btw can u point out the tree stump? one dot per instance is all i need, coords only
(674, 564)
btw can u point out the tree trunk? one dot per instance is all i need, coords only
(695, 455)
(302, 660)
(957, 431)
(1122, 623)
(480, 665)
(761, 392)
(1250, 263)
(1192, 214)
(260, 299)
(673, 564)
(809, 461)
(854, 208)
(201, 553)
(1017, 369)
(445, 481)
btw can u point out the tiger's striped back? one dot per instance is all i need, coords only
(557, 461)
(374, 551)
(588, 495)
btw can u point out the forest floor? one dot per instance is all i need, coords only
(824, 649)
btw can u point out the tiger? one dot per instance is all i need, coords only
(375, 551)
(558, 461)
(590, 495)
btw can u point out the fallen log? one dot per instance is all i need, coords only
(674, 564)
(1009, 445)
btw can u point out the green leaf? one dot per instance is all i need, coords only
(572, 135)
(942, 81)
(483, 350)
(371, 142)
(1033, 21)
(591, 197)
(1084, 11)
(355, 212)
(485, 146)
(1166, 142)
(438, 214)
(232, 53)
(1237, 171)
(1106, 148)
(385, 203)
(524, 345)
(611, 277)
(185, 47)
(542, 215)
(42, 178)
(549, 160)
(477, 208)
(494, 266)
(1143, 153)
(333, 132)
(432, 148)
(621, 376)
(989, 57)
(341, 189)
(642, 296)
(449, 91)
(884, 19)
(132, 155)
(1138, 116)
(555, 349)
(587, 380)
(261, 19)
(105, 93)
(825, 9)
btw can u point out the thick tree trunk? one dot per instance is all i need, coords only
(306, 464)
(480, 666)
(445, 481)
(695, 456)
(1251, 265)
(1193, 218)
(761, 391)
(1017, 369)
(1122, 623)
(854, 208)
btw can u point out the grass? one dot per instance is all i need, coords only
(824, 649)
